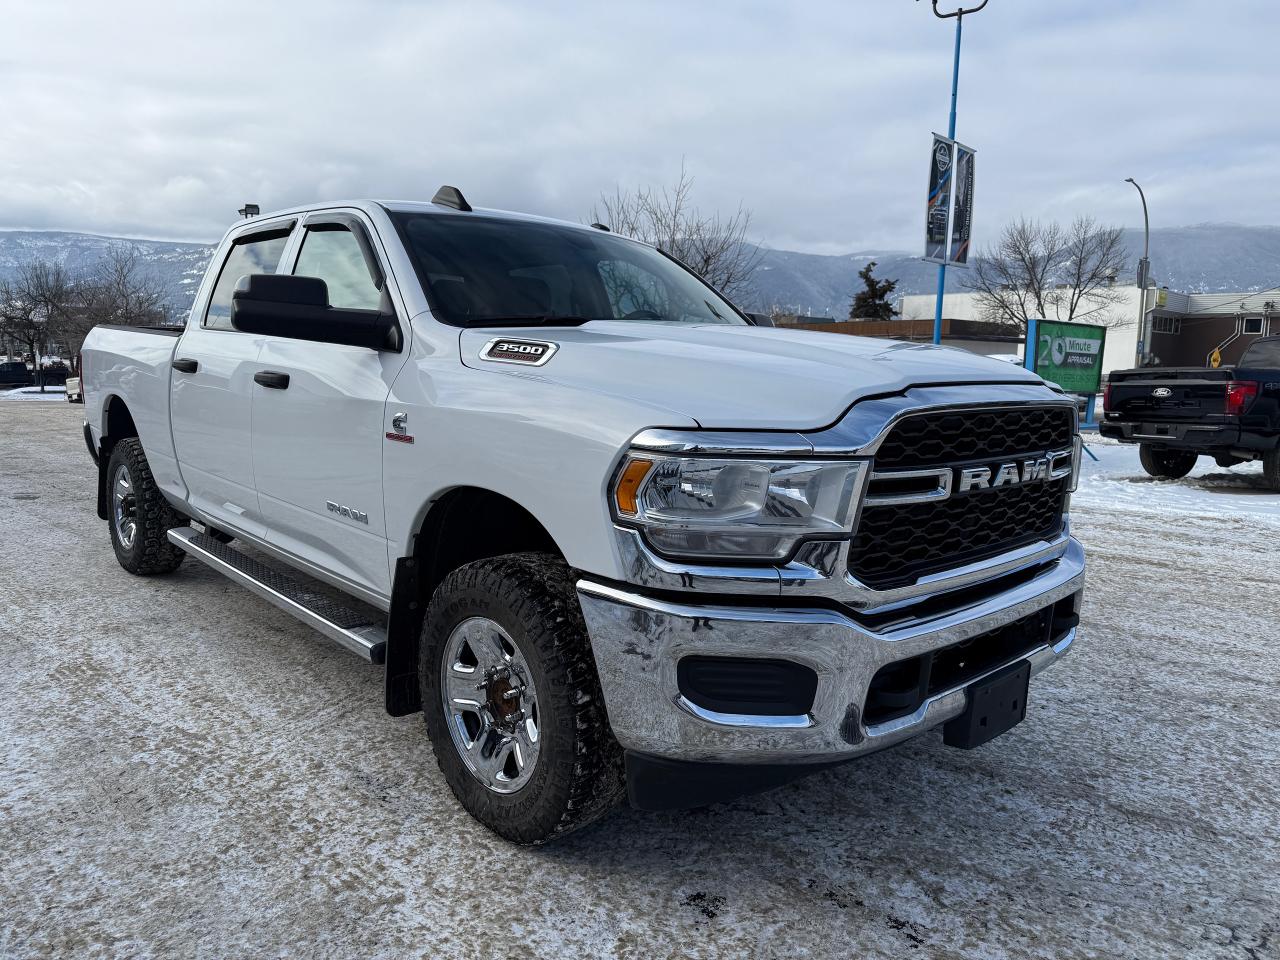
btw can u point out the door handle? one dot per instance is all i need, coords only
(183, 365)
(272, 379)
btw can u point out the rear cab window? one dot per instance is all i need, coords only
(1262, 353)
(258, 252)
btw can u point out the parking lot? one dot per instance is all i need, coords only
(186, 771)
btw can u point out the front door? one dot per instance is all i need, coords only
(317, 441)
(211, 387)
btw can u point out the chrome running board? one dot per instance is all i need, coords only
(357, 631)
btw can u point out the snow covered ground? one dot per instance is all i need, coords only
(33, 393)
(1117, 481)
(186, 771)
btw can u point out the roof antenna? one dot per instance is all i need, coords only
(448, 196)
(249, 210)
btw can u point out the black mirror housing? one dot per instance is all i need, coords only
(282, 305)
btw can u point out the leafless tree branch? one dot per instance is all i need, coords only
(715, 246)
(1045, 271)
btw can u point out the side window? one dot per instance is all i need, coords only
(333, 254)
(257, 254)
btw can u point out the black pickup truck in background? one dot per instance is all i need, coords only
(1178, 414)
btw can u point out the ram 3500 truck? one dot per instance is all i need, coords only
(1178, 414)
(610, 537)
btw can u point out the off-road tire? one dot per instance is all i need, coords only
(151, 552)
(1166, 464)
(1271, 468)
(579, 773)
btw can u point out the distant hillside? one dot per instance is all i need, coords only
(1208, 258)
(178, 266)
(1201, 259)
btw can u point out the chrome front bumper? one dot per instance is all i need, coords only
(638, 641)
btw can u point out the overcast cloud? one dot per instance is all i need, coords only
(159, 120)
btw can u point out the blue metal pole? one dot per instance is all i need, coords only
(951, 132)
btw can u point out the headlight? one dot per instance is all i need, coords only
(701, 508)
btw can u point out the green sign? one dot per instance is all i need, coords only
(1070, 355)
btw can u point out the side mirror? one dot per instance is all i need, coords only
(281, 305)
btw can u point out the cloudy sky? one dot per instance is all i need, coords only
(160, 119)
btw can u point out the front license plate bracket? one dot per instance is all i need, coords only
(995, 705)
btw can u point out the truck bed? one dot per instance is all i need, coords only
(133, 363)
(1188, 408)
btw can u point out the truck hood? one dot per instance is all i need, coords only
(728, 377)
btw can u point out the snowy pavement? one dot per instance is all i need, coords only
(186, 771)
(34, 393)
(1117, 481)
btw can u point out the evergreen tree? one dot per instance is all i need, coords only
(872, 303)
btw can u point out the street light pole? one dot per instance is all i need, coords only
(1144, 271)
(951, 135)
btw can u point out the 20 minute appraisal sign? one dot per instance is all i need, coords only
(1070, 355)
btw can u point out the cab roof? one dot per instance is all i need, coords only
(416, 206)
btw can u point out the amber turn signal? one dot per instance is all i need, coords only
(628, 489)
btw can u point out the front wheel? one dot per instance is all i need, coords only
(139, 516)
(512, 702)
(1166, 464)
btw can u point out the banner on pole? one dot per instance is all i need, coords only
(938, 211)
(962, 217)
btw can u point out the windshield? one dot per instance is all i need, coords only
(484, 270)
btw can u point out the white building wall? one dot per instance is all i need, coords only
(1121, 320)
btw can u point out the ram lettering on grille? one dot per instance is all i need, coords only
(1002, 480)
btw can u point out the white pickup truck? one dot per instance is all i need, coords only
(609, 536)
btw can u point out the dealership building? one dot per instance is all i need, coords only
(1186, 328)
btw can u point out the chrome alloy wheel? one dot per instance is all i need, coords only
(490, 704)
(124, 503)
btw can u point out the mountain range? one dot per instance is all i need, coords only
(1206, 258)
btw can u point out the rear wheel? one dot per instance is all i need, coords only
(1271, 468)
(1166, 464)
(139, 516)
(512, 702)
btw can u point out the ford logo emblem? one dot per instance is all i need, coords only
(1161, 392)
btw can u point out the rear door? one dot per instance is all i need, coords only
(317, 442)
(211, 385)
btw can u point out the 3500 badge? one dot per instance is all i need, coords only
(534, 353)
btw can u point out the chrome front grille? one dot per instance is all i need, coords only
(898, 542)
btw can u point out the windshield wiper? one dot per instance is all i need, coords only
(535, 320)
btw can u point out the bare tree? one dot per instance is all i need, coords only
(34, 304)
(119, 290)
(1094, 258)
(714, 246)
(22, 321)
(1048, 272)
(43, 303)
